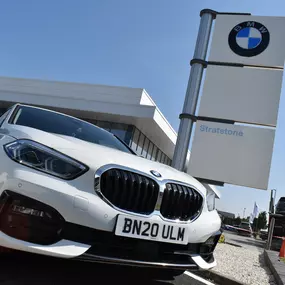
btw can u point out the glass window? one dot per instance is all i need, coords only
(135, 140)
(165, 159)
(280, 208)
(57, 123)
(162, 157)
(140, 143)
(158, 157)
(119, 130)
(129, 134)
(150, 148)
(145, 147)
(154, 151)
(168, 161)
(104, 125)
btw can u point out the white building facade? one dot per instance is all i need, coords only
(129, 113)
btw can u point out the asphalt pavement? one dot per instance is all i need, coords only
(25, 269)
(246, 242)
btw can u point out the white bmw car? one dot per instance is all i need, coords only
(69, 189)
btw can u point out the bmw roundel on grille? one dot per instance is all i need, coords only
(155, 173)
(249, 39)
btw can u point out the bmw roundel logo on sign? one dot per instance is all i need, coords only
(249, 39)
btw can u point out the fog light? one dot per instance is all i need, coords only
(27, 211)
(28, 219)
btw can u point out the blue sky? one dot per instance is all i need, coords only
(135, 43)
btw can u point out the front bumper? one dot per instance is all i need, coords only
(85, 229)
(29, 225)
(106, 247)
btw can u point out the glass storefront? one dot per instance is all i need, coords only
(146, 148)
(135, 139)
(122, 131)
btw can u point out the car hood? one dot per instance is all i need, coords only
(96, 156)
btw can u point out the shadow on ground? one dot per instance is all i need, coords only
(21, 268)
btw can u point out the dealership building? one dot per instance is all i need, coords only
(129, 113)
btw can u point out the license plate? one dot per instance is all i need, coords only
(151, 230)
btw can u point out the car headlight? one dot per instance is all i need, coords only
(45, 159)
(211, 197)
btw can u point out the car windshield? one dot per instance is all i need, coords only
(281, 206)
(244, 225)
(56, 123)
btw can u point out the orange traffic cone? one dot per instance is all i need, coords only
(282, 250)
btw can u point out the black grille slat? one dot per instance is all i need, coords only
(180, 202)
(169, 202)
(129, 191)
(186, 205)
(124, 196)
(195, 203)
(138, 188)
(144, 194)
(172, 201)
(164, 205)
(152, 196)
(117, 185)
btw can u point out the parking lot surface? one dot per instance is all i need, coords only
(246, 242)
(24, 269)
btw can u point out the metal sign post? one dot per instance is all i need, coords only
(270, 234)
(193, 88)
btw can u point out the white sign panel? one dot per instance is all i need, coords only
(249, 40)
(249, 95)
(239, 155)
